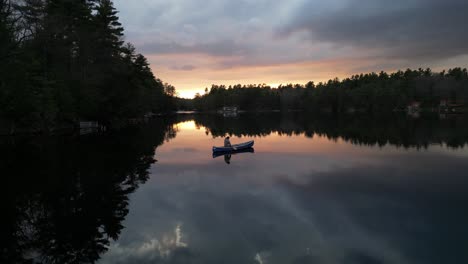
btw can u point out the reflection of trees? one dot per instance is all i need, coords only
(64, 199)
(366, 130)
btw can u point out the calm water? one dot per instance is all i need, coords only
(316, 190)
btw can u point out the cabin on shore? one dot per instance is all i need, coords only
(413, 107)
(229, 111)
(89, 127)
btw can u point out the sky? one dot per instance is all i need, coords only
(193, 44)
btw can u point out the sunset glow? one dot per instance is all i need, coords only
(274, 42)
(192, 82)
(186, 126)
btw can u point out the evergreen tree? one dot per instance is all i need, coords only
(109, 32)
(64, 60)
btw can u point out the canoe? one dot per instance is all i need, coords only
(235, 147)
(233, 152)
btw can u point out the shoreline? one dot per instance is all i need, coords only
(92, 127)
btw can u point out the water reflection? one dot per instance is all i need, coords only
(228, 155)
(393, 130)
(299, 199)
(227, 158)
(65, 198)
(376, 209)
(317, 190)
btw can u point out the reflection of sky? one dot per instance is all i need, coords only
(297, 200)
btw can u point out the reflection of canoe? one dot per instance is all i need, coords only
(235, 147)
(232, 152)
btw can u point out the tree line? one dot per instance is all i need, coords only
(66, 60)
(371, 93)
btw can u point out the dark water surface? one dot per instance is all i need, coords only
(316, 190)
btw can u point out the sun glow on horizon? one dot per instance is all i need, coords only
(189, 83)
(188, 93)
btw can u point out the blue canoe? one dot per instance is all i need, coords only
(235, 147)
(233, 152)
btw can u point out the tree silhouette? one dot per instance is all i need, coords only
(64, 61)
(69, 201)
(367, 93)
(395, 130)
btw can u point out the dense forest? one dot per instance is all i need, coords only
(62, 61)
(370, 93)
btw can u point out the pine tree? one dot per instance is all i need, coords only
(109, 30)
(6, 32)
(64, 60)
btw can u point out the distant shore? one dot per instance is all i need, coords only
(89, 127)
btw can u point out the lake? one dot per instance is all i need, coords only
(316, 189)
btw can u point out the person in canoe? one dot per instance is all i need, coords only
(227, 142)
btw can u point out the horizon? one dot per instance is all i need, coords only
(277, 85)
(252, 42)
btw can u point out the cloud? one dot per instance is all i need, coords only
(422, 30)
(184, 68)
(153, 250)
(267, 31)
(219, 37)
(218, 48)
(239, 32)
